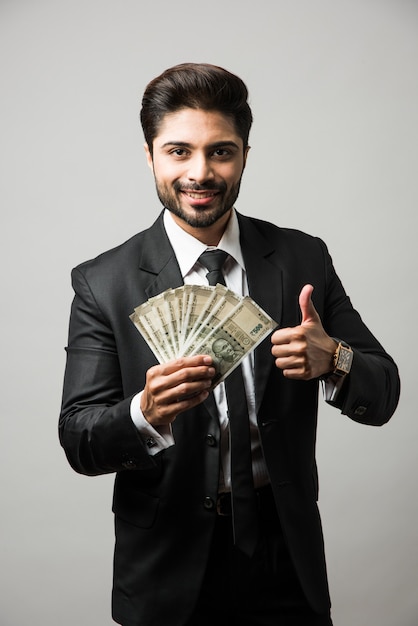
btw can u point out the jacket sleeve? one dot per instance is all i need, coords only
(370, 392)
(95, 426)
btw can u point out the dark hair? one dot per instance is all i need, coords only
(196, 86)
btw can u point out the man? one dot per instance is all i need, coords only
(161, 428)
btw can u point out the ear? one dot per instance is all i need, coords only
(246, 151)
(148, 156)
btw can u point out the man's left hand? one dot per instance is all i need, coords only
(305, 351)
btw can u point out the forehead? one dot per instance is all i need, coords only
(196, 126)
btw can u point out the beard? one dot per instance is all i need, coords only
(202, 217)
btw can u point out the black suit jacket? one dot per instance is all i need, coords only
(164, 505)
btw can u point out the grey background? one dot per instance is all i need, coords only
(334, 90)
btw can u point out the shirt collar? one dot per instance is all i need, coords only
(188, 249)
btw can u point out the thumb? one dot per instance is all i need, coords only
(307, 308)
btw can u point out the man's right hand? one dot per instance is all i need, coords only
(174, 387)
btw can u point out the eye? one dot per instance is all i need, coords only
(221, 153)
(178, 152)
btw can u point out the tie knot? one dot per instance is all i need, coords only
(213, 260)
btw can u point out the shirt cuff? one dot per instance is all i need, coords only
(156, 439)
(331, 387)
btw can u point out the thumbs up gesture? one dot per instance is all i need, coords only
(305, 351)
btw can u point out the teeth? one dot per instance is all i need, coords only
(199, 196)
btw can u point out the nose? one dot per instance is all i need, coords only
(200, 169)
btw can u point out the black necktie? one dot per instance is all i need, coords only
(244, 508)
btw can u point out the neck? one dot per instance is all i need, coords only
(209, 235)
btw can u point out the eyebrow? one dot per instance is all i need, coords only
(211, 146)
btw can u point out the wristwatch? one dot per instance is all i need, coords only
(342, 359)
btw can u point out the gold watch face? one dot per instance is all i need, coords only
(344, 360)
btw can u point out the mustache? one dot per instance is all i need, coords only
(209, 186)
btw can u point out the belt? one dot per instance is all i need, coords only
(264, 496)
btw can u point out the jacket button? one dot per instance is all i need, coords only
(210, 440)
(360, 411)
(208, 503)
(129, 464)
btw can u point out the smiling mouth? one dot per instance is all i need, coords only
(199, 195)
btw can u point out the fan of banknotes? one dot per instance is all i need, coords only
(200, 319)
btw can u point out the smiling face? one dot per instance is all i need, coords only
(198, 160)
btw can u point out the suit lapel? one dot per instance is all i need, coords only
(266, 288)
(158, 262)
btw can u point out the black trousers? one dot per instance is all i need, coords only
(261, 591)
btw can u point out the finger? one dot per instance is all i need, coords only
(182, 363)
(193, 397)
(188, 390)
(282, 336)
(309, 313)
